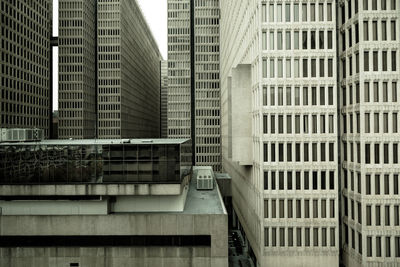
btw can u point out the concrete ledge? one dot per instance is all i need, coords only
(93, 190)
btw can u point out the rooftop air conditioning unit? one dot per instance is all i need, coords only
(205, 179)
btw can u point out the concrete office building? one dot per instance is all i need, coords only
(77, 69)
(109, 71)
(164, 99)
(279, 130)
(107, 203)
(128, 72)
(194, 84)
(25, 64)
(369, 44)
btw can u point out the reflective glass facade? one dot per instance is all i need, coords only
(116, 162)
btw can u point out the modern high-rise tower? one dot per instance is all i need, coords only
(279, 127)
(77, 69)
(369, 44)
(194, 83)
(109, 71)
(25, 64)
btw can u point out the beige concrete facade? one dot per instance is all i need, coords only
(279, 56)
(369, 101)
(25, 97)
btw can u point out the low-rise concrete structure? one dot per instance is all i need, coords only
(130, 223)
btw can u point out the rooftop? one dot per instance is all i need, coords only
(99, 142)
(203, 201)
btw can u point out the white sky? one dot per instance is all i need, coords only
(155, 12)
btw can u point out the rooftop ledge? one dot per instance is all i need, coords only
(94, 189)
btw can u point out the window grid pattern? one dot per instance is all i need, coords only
(369, 55)
(207, 81)
(25, 62)
(77, 69)
(128, 73)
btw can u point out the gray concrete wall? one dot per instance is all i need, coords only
(107, 257)
(214, 225)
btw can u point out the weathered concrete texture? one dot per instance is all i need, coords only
(110, 257)
(301, 259)
(92, 190)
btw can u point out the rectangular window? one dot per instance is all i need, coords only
(330, 67)
(315, 237)
(365, 4)
(271, 13)
(298, 237)
(374, 30)
(394, 58)
(313, 67)
(304, 12)
(378, 246)
(279, 12)
(321, 39)
(393, 30)
(282, 237)
(387, 246)
(287, 12)
(279, 41)
(266, 237)
(272, 68)
(366, 92)
(296, 12)
(264, 13)
(305, 96)
(365, 30)
(288, 40)
(330, 40)
(265, 96)
(288, 68)
(384, 32)
(321, 12)
(366, 60)
(329, 11)
(375, 60)
(271, 40)
(384, 61)
(304, 40)
(305, 68)
(264, 41)
(296, 40)
(312, 12)
(280, 68)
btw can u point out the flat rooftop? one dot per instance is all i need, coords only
(164, 141)
(203, 201)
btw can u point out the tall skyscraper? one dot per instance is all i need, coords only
(109, 71)
(279, 130)
(128, 72)
(369, 87)
(25, 64)
(164, 99)
(194, 84)
(77, 69)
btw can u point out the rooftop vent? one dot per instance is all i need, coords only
(204, 178)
